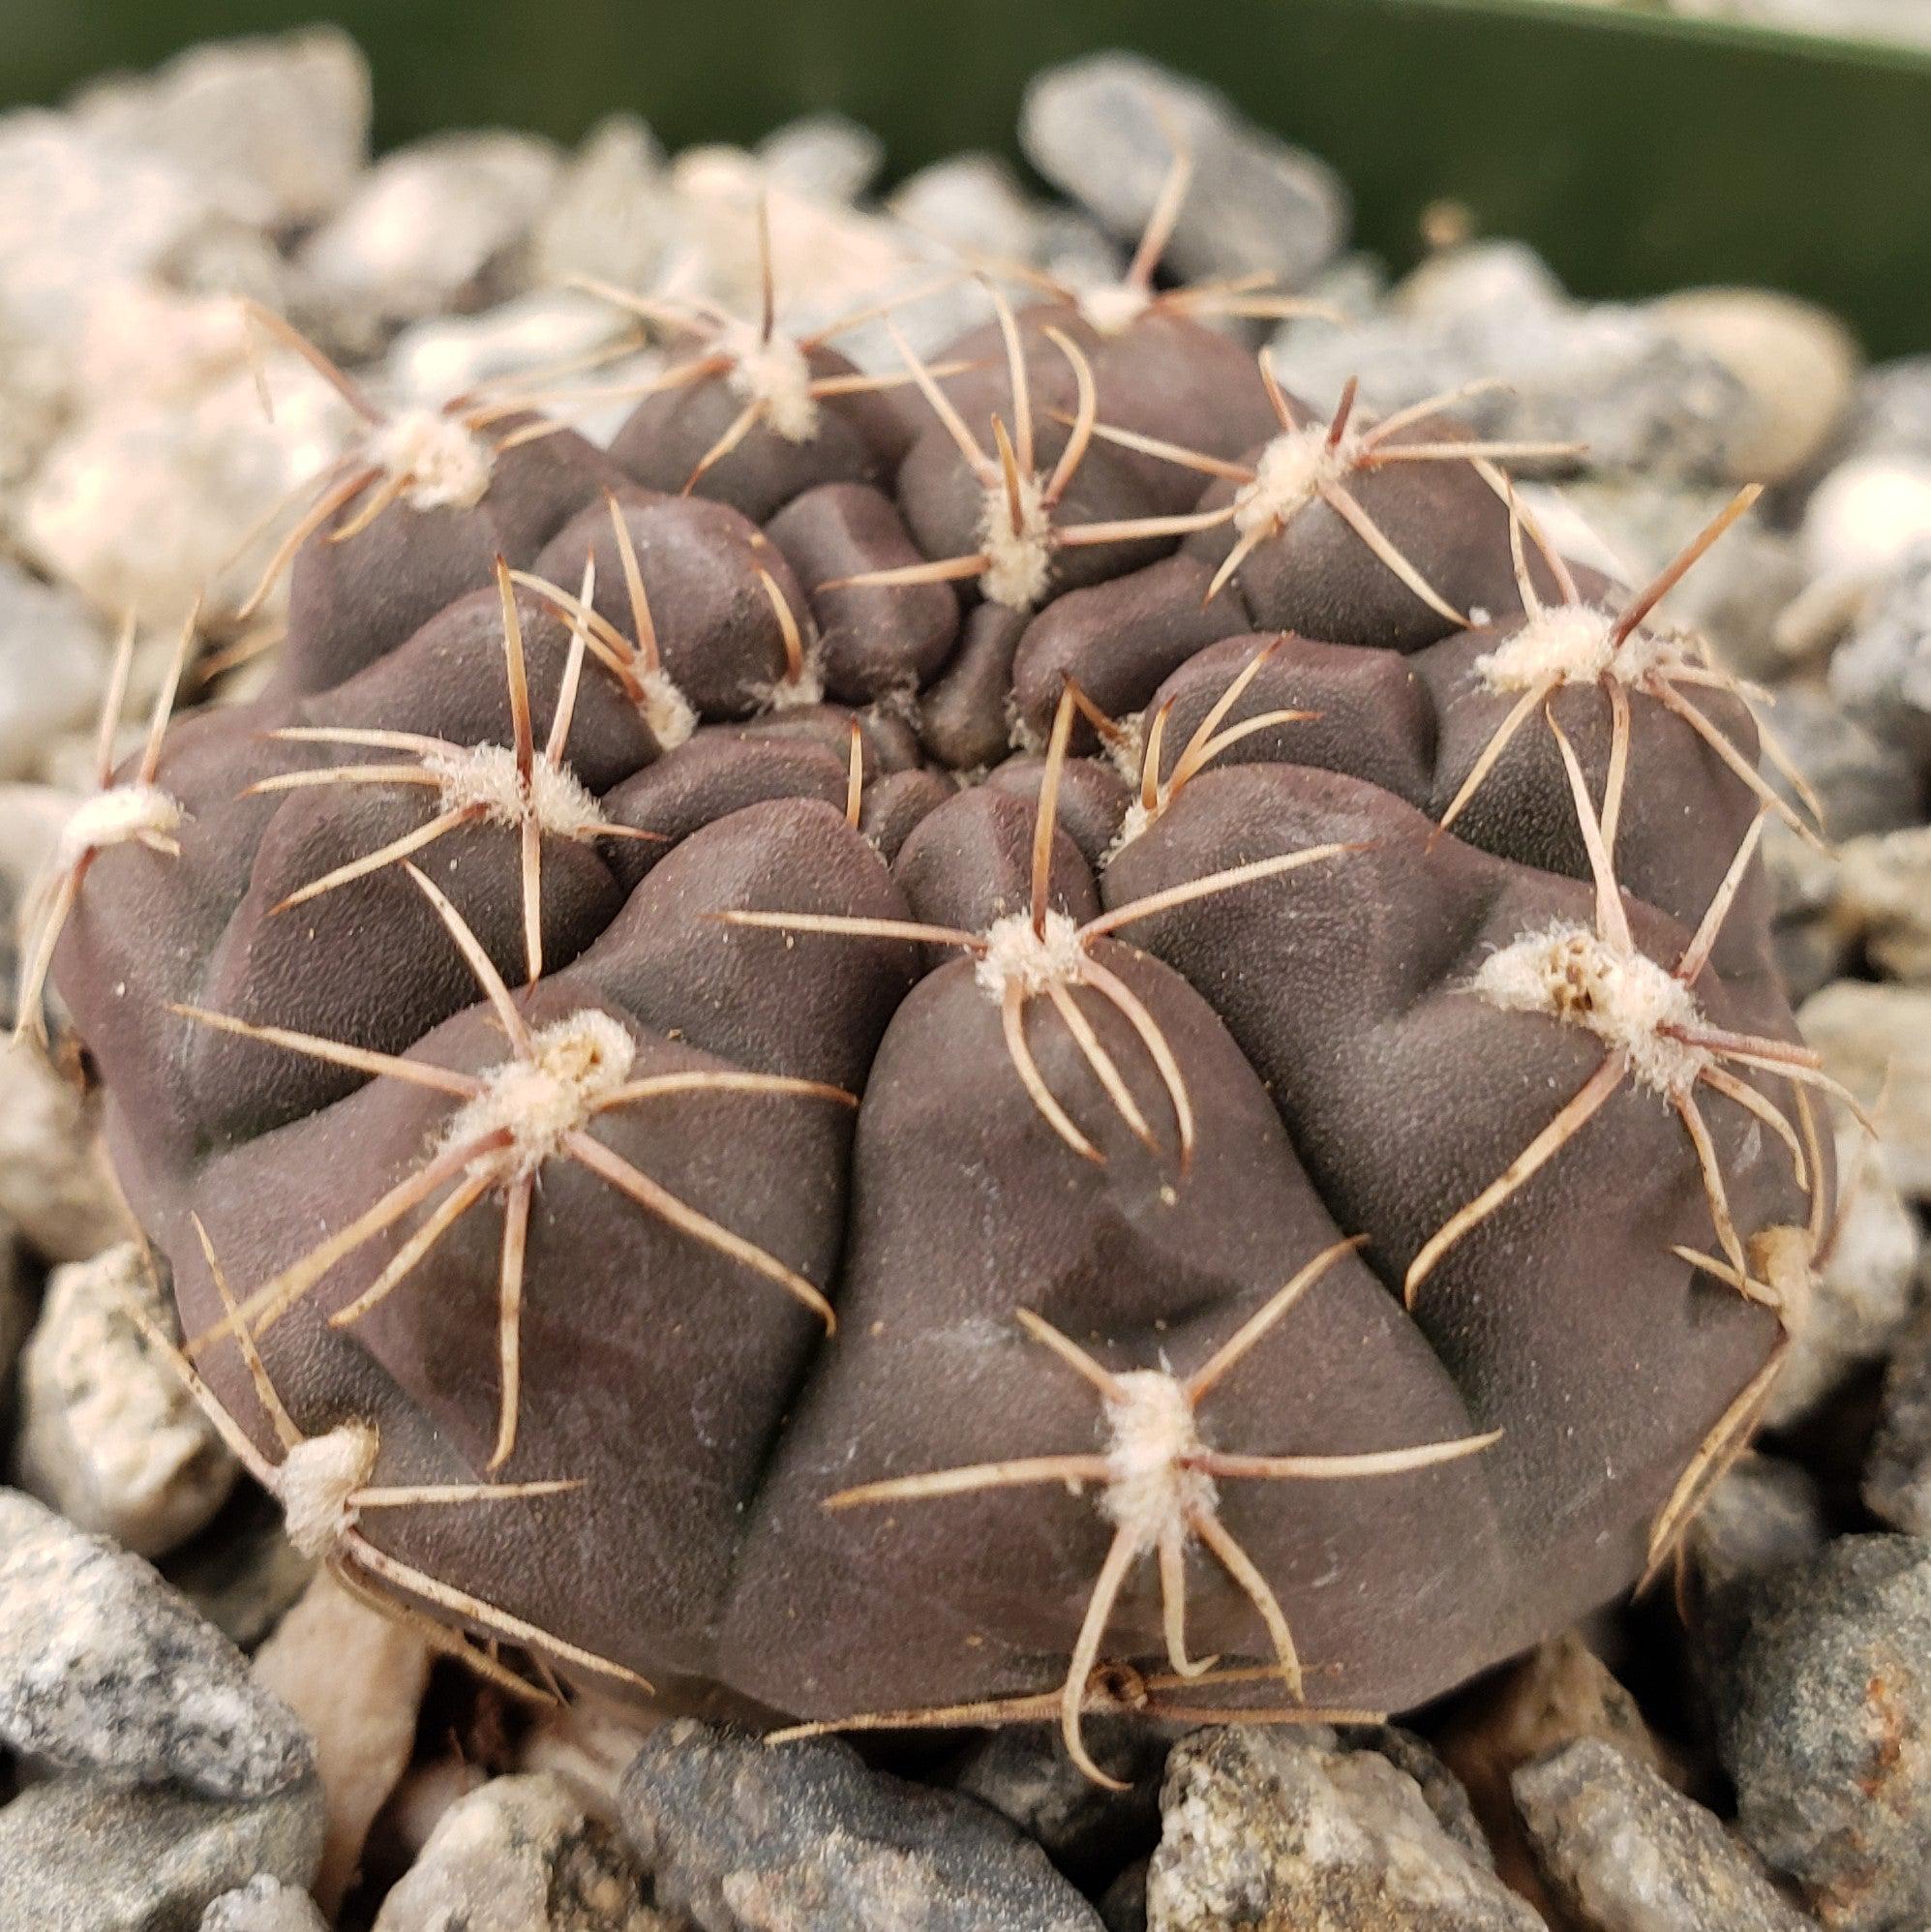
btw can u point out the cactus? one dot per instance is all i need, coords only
(1032, 1036)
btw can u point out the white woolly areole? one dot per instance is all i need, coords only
(1135, 819)
(316, 1484)
(776, 377)
(447, 464)
(1291, 471)
(115, 816)
(574, 1065)
(669, 713)
(1624, 998)
(790, 694)
(1015, 955)
(1018, 561)
(486, 775)
(1574, 644)
(1151, 1434)
(1112, 306)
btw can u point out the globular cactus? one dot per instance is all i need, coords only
(1273, 1193)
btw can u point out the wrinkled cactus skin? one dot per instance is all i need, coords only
(1342, 1074)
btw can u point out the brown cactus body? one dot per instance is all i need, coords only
(614, 1046)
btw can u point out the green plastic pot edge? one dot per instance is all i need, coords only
(1639, 152)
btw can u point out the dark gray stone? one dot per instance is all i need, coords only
(1823, 1722)
(1089, 1833)
(80, 1855)
(104, 1668)
(1626, 1852)
(748, 1837)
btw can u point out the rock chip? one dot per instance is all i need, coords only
(1765, 1514)
(1104, 129)
(1288, 1830)
(104, 1669)
(53, 1184)
(1626, 1852)
(1897, 1472)
(82, 1854)
(355, 1679)
(748, 1837)
(264, 1904)
(1823, 1723)
(1609, 375)
(110, 1436)
(830, 155)
(430, 226)
(145, 503)
(1876, 1039)
(972, 202)
(519, 1855)
(270, 130)
(610, 214)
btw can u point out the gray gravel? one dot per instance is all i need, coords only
(102, 1668)
(748, 1837)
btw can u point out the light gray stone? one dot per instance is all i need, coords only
(110, 1436)
(102, 1668)
(1876, 1039)
(429, 224)
(1103, 129)
(1287, 1827)
(610, 214)
(747, 1837)
(53, 667)
(264, 1904)
(80, 1855)
(271, 130)
(830, 155)
(1626, 1852)
(53, 1184)
(144, 504)
(519, 1855)
(972, 202)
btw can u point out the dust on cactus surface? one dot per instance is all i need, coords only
(946, 967)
